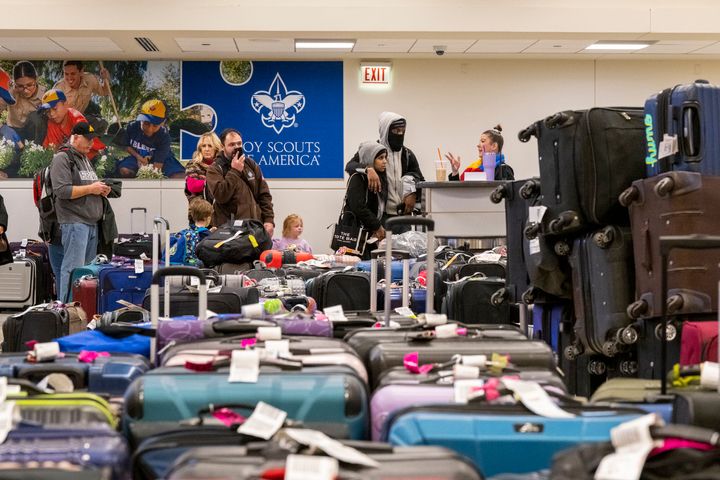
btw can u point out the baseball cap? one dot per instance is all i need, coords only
(152, 111)
(84, 129)
(51, 98)
(5, 88)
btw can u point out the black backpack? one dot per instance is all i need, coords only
(241, 242)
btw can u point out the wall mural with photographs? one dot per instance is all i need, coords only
(161, 108)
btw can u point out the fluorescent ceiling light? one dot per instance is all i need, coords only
(618, 46)
(325, 44)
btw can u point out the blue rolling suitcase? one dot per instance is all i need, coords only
(121, 283)
(106, 375)
(331, 399)
(396, 266)
(689, 113)
(89, 447)
(503, 438)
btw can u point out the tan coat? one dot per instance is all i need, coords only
(79, 98)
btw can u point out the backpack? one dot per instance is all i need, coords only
(240, 242)
(183, 245)
(44, 198)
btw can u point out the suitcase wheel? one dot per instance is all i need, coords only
(628, 196)
(610, 349)
(573, 351)
(604, 237)
(556, 120)
(628, 368)
(497, 195)
(531, 231)
(526, 134)
(528, 189)
(670, 331)
(627, 335)
(596, 367)
(675, 303)
(499, 297)
(562, 248)
(637, 309)
(664, 187)
(528, 296)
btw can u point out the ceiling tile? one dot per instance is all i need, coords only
(276, 45)
(372, 45)
(558, 46)
(425, 45)
(206, 44)
(30, 45)
(675, 46)
(711, 49)
(500, 46)
(87, 44)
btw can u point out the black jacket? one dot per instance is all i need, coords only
(3, 213)
(362, 203)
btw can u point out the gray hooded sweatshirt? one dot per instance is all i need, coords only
(394, 167)
(70, 168)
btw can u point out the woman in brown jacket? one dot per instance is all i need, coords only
(237, 185)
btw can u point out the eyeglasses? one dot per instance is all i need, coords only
(27, 86)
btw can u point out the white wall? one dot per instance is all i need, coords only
(448, 104)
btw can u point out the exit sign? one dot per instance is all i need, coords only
(375, 73)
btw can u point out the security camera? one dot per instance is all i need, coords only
(439, 49)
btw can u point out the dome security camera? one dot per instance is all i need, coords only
(439, 49)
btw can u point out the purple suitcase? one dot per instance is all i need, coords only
(400, 389)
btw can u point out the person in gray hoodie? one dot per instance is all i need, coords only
(78, 202)
(401, 163)
(366, 206)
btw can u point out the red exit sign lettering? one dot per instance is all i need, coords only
(375, 74)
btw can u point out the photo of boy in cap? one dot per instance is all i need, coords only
(148, 142)
(61, 120)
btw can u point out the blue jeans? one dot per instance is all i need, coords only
(79, 243)
(56, 254)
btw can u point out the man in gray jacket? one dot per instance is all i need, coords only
(78, 202)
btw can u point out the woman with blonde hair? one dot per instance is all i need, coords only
(208, 147)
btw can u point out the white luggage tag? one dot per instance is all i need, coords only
(311, 467)
(463, 389)
(268, 333)
(335, 313)
(45, 352)
(244, 366)
(432, 319)
(633, 442)
(264, 422)
(668, 146)
(405, 312)
(9, 416)
(535, 398)
(709, 372)
(313, 438)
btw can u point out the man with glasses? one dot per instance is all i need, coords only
(237, 185)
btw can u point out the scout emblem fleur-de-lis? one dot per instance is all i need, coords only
(277, 106)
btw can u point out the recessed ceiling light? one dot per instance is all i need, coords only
(610, 45)
(324, 44)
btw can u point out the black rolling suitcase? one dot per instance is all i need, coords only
(603, 287)
(587, 158)
(137, 243)
(470, 301)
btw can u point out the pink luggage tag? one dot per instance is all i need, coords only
(228, 417)
(248, 342)
(410, 361)
(489, 390)
(676, 443)
(88, 356)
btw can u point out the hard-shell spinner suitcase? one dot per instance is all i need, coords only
(398, 389)
(587, 158)
(674, 203)
(331, 399)
(637, 393)
(104, 375)
(487, 433)
(37, 252)
(397, 463)
(94, 447)
(687, 113)
(306, 350)
(603, 287)
(523, 353)
(85, 292)
(18, 283)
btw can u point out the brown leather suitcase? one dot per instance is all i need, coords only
(674, 203)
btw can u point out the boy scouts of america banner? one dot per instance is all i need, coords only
(290, 114)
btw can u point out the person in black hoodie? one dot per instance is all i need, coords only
(367, 206)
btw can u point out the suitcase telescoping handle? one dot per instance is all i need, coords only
(155, 295)
(132, 216)
(429, 224)
(667, 244)
(159, 222)
(405, 257)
